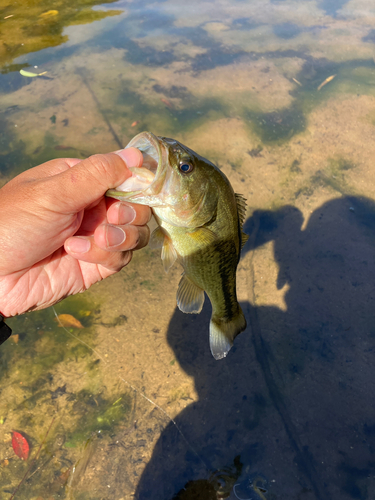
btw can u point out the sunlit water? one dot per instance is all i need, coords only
(133, 405)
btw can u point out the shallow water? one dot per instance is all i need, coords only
(136, 405)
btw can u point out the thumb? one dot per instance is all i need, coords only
(87, 181)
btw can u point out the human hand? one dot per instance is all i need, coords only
(59, 234)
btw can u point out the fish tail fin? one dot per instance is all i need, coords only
(223, 332)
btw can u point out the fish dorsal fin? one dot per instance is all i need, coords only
(190, 298)
(168, 254)
(157, 238)
(203, 236)
(241, 207)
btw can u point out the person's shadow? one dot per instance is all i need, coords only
(290, 413)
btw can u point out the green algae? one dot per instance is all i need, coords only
(277, 126)
(42, 343)
(29, 29)
(97, 414)
(332, 176)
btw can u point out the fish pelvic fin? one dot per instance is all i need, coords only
(168, 254)
(159, 239)
(223, 332)
(190, 298)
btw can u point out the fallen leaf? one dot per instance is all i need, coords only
(20, 445)
(49, 13)
(29, 74)
(15, 338)
(68, 321)
(134, 124)
(5, 462)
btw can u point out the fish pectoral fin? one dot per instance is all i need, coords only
(190, 298)
(223, 332)
(168, 254)
(203, 236)
(157, 238)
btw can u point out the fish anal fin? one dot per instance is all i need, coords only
(190, 298)
(223, 332)
(241, 207)
(168, 254)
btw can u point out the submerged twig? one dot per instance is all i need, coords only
(105, 117)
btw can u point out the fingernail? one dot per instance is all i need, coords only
(79, 245)
(126, 214)
(132, 157)
(114, 236)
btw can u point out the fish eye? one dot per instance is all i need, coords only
(186, 167)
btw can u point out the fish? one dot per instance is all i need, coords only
(200, 221)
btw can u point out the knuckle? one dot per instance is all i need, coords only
(102, 168)
(100, 164)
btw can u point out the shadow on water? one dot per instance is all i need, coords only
(289, 413)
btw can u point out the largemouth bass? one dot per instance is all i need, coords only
(200, 226)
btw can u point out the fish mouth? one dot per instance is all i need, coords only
(146, 182)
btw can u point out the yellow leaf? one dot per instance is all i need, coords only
(29, 74)
(49, 13)
(68, 321)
